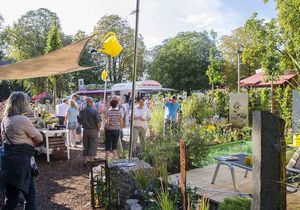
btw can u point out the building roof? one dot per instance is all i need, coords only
(259, 80)
(140, 85)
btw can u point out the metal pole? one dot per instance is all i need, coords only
(104, 99)
(239, 76)
(134, 75)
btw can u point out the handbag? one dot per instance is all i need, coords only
(34, 168)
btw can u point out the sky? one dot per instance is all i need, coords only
(159, 19)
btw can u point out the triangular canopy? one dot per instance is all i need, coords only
(61, 61)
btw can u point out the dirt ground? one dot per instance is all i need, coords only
(63, 184)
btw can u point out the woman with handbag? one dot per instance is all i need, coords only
(19, 137)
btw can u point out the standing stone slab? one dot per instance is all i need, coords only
(296, 112)
(268, 162)
(238, 109)
(122, 177)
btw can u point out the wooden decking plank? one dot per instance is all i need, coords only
(202, 177)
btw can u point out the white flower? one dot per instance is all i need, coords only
(150, 193)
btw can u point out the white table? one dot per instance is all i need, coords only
(49, 133)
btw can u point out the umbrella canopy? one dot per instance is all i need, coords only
(61, 61)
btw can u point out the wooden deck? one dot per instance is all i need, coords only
(201, 178)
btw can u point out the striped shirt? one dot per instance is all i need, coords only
(114, 116)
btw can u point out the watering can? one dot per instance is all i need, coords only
(111, 45)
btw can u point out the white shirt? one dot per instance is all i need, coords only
(145, 114)
(62, 110)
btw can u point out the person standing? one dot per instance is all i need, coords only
(90, 120)
(171, 113)
(112, 128)
(71, 122)
(19, 137)
(62, 111)
(141, 119)
(76, 98)
(48, 106)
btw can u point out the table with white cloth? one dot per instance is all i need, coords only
(50, 133)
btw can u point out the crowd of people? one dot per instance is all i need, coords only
(84, 119)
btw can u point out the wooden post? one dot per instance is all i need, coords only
(182, 173)
(269, 191)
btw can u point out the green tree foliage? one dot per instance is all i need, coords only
(1, 37)
(120, 67)
(228, 49)
(214, 69)
(91, 76)
(265, 38)
(53, 41)
(264, 95)
(181, 61)
(222, 103)
(255, 47)
(289, 21)
(286, 106)
(27, 37)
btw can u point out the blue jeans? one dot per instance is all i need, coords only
(12, 195)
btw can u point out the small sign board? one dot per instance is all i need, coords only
(81, 84)
(182, 173)
(238, 109)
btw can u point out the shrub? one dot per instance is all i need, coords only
(197, 107)
(235, 203)
(222, 103)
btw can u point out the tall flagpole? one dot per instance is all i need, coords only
(134, 75)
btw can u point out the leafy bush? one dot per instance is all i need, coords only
(197, 107)
(196, 144)
(235, 203)
(163, 149)
(222, 103)
(286, 106)
(156, 123)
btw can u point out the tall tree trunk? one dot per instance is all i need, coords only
(272, 95)
(54, 90)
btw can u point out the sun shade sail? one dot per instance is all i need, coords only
(62, 61)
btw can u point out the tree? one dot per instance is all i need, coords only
(53, 43)
(181, 61)
(213, 71)
(90, 76)
(1, 37)
(228, 50)
(265, 39)
(27, 38)
(288, 19)
(120, 68)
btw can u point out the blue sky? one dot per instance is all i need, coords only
(159, 19)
